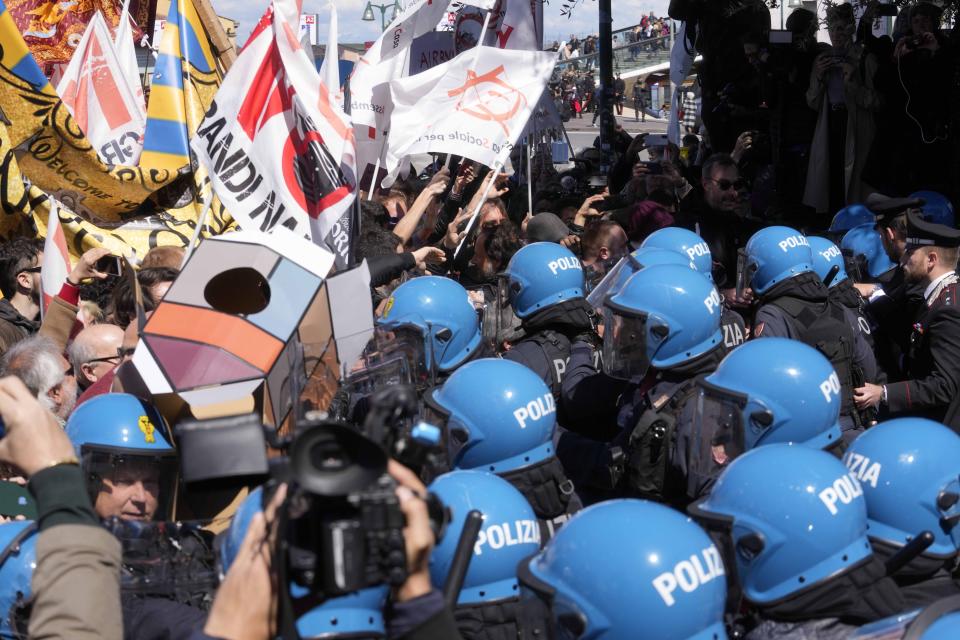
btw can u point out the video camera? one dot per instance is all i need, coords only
(341, 526)
(342, 519)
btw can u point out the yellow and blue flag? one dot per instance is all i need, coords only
(185, 80)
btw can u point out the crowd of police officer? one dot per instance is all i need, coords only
(640, 474)
(818, 460)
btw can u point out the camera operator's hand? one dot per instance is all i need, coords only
(417, 535)
(34, 439)
(245, 607)
(640, 169)
(86, 266)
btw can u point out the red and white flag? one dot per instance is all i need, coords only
(56, 258)
(475, 105)
(515, 25)
(386, 60)
(102, 99)
(279, 151)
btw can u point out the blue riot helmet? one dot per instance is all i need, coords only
(850, 217)
(937, 207)
(946, 627)
(498, 416)
(121, 439)
(640, 259)
(686, 242)
(765, 391)
(441, 311)
(828, 261)
(773, 255)
(231, 541)
(792, 517)
(626, 569)
(356, 615)
(662, 317)
(864, 245)
(909, 469)
(510, 533)
(541, 275)
(18, 561)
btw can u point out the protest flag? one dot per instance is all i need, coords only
(386, 60)
(515, 25)
(279, 152)
(179, 93)
(102, 99)
(125, 45)
(330, 67)
(475, 105)
(125, 209)
(56, 258)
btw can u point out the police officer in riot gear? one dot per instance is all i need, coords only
(830, 266)
(794, 303)
(696, 248)
(544, 283)
(909, 469)
(625, 569)
(792, 523)
(499, 416)
(131, 470)
(765, 392)
(665, 321)
(487, 607)
(440, 311)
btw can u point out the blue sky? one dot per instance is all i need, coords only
(352, 29)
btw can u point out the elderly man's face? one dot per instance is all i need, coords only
(131, 492)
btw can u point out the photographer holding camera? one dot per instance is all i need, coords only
(248, 601)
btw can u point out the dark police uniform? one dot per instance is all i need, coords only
(933, 362)
(800, 309)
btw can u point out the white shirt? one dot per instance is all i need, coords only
(933, 285)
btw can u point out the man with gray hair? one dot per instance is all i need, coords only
(38, 362)
(94, 352)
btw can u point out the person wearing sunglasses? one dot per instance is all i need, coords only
(717, 218)
(20, 262)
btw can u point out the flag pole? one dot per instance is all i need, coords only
(529, 174)
(494, 171)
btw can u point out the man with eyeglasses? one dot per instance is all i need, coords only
(95, 352)
(717, 219)
(20, 261)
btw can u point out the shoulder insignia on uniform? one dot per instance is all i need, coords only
(147, 428)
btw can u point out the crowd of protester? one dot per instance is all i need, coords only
(709, 326)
